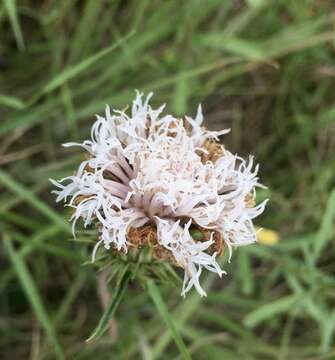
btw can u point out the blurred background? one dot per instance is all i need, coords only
(265, 69)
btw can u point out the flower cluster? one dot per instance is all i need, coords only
(149, 170)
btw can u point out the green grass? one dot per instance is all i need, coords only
(263, 68)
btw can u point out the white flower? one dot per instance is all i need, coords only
(156, 169)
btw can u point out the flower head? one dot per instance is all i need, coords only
(152, 179)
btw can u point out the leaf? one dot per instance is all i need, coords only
(32, 294)
(163, 311)
(109, 312)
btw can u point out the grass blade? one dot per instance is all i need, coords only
(75, 70)
(182, 314)
(108, 314)
(328, 332)
(26, 249)
(17, 188)
(10, 6)
(79, 44)
(12, 102)
(32, 294)
(246, 273)
(270, 309)
(69, 298)
(325, 232)
(163, 311)
(246, 49)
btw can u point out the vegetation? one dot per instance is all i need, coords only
(263, 68)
